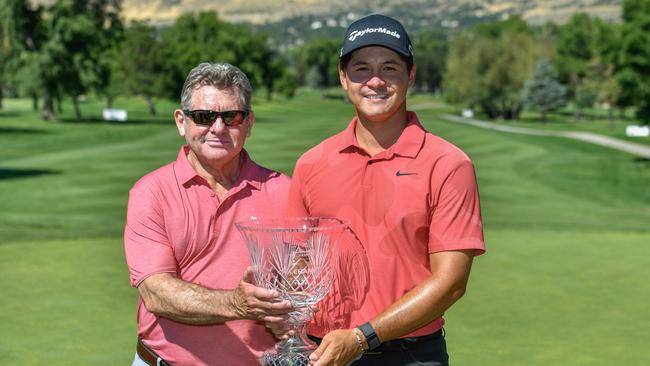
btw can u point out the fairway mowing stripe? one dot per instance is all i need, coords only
(75, 154)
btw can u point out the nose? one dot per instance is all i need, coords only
(375, 81)
(218, 126)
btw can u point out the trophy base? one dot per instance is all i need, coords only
(293, 351)
(275, 358)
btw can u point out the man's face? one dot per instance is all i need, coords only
(215, 144)
(376, 80)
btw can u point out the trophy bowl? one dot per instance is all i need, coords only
(298, 258)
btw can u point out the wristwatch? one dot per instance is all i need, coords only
(371, 337)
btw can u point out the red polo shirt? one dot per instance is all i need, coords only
(176, 224)
(417, 197)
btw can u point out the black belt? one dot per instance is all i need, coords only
(149, 357)
(398, 343)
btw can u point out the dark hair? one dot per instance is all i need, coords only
(343, 62)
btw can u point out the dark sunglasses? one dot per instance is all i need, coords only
(207, 118)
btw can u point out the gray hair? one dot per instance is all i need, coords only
(223, 76)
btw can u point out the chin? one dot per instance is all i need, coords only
(377, 115)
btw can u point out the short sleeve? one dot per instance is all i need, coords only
(146, 243)
(456, 222)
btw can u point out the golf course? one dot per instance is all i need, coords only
(565, 279)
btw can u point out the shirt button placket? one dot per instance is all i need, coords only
(368, 174)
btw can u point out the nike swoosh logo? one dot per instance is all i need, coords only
(399, 174)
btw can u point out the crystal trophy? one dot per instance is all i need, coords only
(297, 257)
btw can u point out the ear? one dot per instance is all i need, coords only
(179, 117)
(343, 79)
(412, 75)
(249, 123)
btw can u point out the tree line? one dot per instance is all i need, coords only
(74, 48)
(505, 66)
(78, 47)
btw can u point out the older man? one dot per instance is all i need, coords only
(411, 199)
(197, 303)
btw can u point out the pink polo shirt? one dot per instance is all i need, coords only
(176, 224)
(418, 197)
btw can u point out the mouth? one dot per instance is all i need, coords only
(377, 96)
(216, 142)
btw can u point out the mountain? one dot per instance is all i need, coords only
(292, 22)
(447, 11)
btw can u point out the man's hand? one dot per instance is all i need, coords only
(281, 330)
(257, 303)
(189, 303)
(338, 348)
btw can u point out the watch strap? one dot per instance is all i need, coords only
(370, 335)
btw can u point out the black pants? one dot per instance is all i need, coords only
(429, 350)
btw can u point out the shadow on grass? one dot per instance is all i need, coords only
(333, 96)
(10, 114)
(23, 173)
(644, 161)
(131, 121)
(9, 130)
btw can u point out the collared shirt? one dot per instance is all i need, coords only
(417, 197)
(175, 224)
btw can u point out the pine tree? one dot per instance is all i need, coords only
(543, 92)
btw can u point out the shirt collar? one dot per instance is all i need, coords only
(249, 172)
(184, 171)
(408, 144)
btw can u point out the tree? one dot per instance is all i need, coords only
(27, 82)
(604, 86)
(6, 17)
(321, 55)
(138, 64)
(203, 37)
(543, 92)
(635, 56)
(487, 67)
(78, 32)
(20, 31)
(288, 83)
(29, 36)
(575, 48)
(432, 49)
(583, 45)
(275, 74)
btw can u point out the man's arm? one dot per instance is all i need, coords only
(418, 307)
(167, 296)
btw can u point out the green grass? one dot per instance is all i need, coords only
(555, 298)
(567, 226)
(67, 302)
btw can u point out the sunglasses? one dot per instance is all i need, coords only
(207, 118)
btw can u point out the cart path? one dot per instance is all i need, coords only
(594, 138)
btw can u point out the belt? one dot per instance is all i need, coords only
(149, 356)
(398, 343)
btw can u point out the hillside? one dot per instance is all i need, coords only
(292, 22)
(442, 11)
(447, 13)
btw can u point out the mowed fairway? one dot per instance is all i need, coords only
(565, 280)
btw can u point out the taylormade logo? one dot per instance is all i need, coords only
(359, 33)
